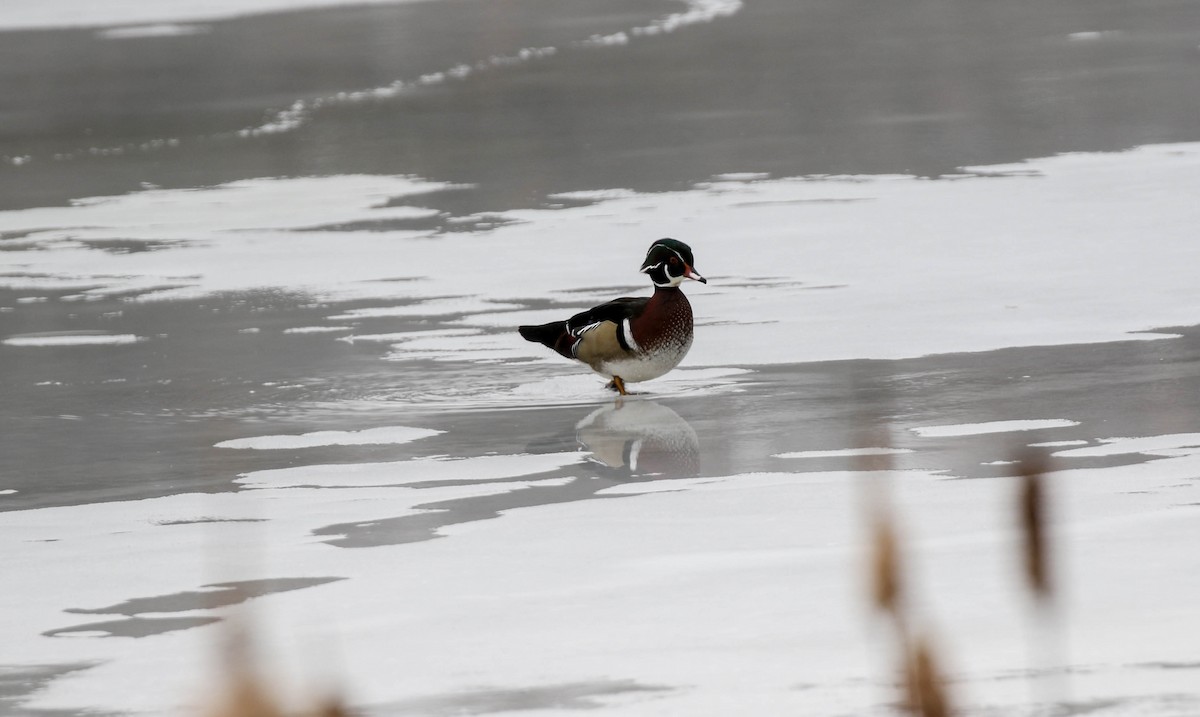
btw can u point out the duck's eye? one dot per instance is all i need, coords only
(673, 260)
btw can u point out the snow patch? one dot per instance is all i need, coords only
(1094, 35)
(1149, 444)
(417, 470)
(845, 452)
(414, 338)
(369, 436)
(52, 340)
(131, 32)
(316, 330)
(430, 307)
(978, 429)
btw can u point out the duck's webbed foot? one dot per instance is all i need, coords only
(618, 384)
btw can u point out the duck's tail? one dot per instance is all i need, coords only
(553, 335)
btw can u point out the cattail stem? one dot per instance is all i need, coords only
(1033, 523)
(885, 566)
(925, 690)
(1046, 642)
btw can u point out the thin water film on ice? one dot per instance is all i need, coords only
(271, 442)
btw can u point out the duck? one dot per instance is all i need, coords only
(632, 339)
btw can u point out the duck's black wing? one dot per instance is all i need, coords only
(564, 336)
(615, 311)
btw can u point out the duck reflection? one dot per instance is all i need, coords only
(640, 439)
(625, 441)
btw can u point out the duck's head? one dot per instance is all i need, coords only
(669, 262)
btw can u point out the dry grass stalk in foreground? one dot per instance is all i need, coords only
(246, 696)
(923, 682)
(249, 696)
(885, 565)
(245, 692)
(1033, 511)
(331, 707)
(924, 692)
(885, 577)
(1033, 523)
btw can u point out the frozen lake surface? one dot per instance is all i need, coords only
(259, 358)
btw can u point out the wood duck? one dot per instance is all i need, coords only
(632, 339)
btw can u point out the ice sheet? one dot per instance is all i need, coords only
(713, 591)
(1054, 251)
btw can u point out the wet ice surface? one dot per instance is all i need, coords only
(422, 477)
(507, 536)
(514, 578)
(297, 390)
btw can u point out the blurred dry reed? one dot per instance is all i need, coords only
(924, 692)
(246, 693)
(1047, 644)
(924, 687)
(923, 682)
(885, 569)
(1032, 516)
